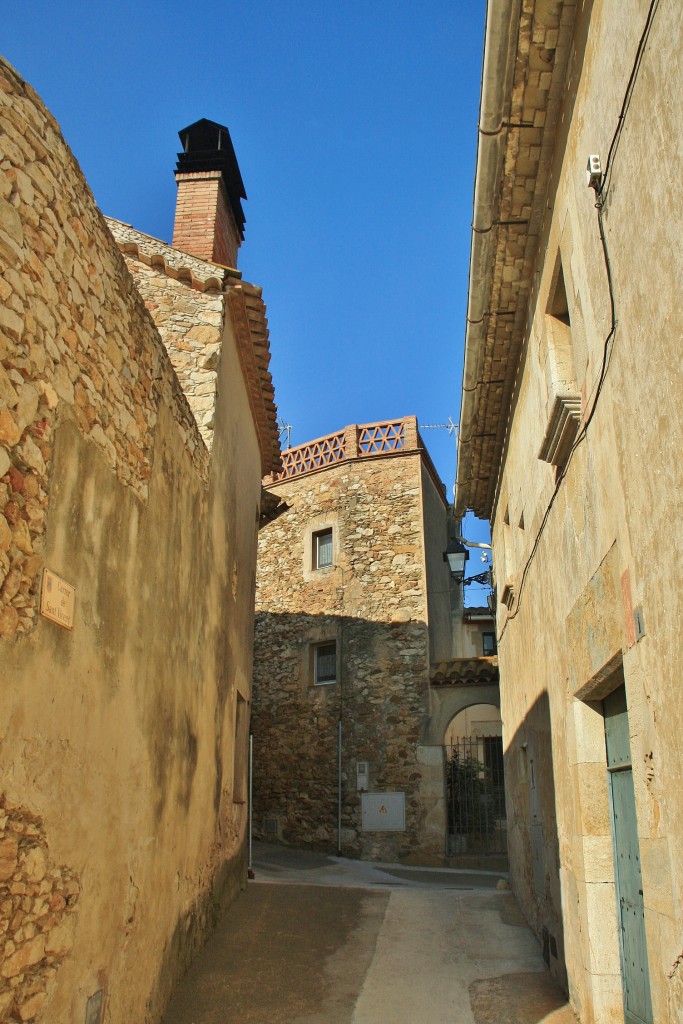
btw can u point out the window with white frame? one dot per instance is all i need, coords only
(325, 663)
(322, 549)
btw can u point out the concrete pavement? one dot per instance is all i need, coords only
(324, 940)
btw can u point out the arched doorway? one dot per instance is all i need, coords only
(475, 788)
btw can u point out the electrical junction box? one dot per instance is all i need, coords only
(362, 776)
(593, 171)
(384, 812)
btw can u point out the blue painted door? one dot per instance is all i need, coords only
(628, 877)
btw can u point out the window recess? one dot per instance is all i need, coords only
(488, 644)
(564, 399)
(322, 549)
(325, 663)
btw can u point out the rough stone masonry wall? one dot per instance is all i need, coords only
(64, 340)
(37, 906)
(117, 736)
(373, 602)
(184, 297)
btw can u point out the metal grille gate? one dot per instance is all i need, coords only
(475, 795)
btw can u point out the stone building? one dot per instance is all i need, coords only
(571, 431)
(354, 676)
(129, 506)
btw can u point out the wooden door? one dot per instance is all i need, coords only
(628, 877)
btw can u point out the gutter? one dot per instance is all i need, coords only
(500, 47)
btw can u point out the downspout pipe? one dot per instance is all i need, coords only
(340, 738)
(250, 866)
(340, 727)
(502, 26)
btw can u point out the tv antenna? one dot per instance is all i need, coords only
(451, 427)
(285, 428)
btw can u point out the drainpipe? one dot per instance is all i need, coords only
(250, 868)
(340, 730)
(339, 788)
(502, 24)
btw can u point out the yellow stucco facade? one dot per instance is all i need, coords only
(571, 433)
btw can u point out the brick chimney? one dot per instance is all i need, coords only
(209, 220)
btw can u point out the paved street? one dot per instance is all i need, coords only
(319, 940)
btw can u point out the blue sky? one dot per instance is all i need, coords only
(354, 124)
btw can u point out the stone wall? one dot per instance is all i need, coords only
(38, 901)
(64, 341)
(373, 603)
(118, 735)
(184, 297)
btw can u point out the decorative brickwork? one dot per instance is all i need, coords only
(204, 224)
(381, 437)
(314, 455)
(351, 443)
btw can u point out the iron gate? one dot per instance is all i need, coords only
(475, 795)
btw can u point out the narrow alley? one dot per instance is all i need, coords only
(324, 940)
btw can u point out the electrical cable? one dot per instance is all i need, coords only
(629, 92)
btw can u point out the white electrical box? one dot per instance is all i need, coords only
(384, 812)
(362, 776)
(593, 171)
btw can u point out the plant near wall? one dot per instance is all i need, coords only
(470, 795)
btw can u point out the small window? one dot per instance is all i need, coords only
(325, 663)
(322, 549)
(488, 644)
(564, 399)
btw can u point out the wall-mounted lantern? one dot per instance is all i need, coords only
(456, 554)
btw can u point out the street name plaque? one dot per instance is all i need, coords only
(57, 600)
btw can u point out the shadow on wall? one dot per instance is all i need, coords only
(533, 841)
(310, 672)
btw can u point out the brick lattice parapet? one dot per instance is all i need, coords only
(355, 441)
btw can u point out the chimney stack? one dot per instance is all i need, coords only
(209, 220)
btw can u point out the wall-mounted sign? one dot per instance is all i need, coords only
(57, 600)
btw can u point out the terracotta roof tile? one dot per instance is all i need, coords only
(464, 672)
(248, 313)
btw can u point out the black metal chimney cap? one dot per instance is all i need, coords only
(207, 146)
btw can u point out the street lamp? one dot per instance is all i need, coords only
(456, 554)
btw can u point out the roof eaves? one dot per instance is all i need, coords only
(526, 57)
(202, 275)
(248, 315)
